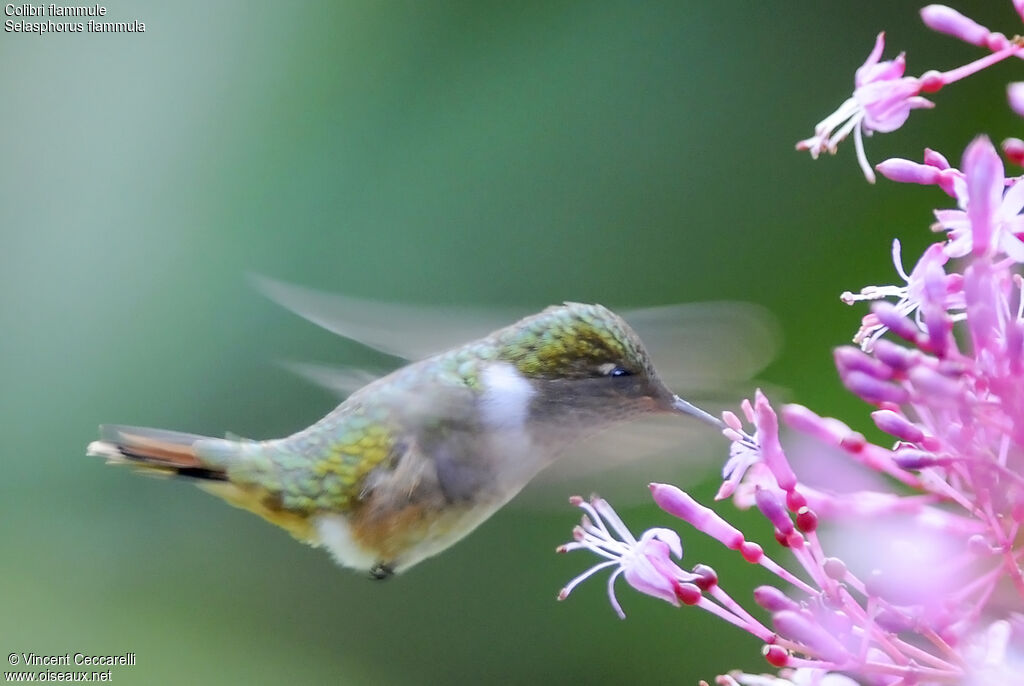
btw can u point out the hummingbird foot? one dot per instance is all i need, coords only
(381, 570)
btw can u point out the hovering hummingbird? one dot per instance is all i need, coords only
(414, 461)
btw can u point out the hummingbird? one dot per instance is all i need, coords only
(413, 461)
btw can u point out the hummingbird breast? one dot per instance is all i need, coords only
(412, 463)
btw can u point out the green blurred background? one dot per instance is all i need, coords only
(490, 154)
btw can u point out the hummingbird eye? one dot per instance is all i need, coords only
(614, 370)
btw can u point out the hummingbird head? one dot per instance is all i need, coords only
(585, 359)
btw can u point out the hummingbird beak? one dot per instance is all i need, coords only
(683, 407)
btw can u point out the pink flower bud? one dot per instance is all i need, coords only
(892, 620)
(707, 577)
(798, 626)
(848, 358)
(1013, 148)
(751, 552)
(794, 501)
(916, 459)
(775, 655)
(806, 520)
(893, 320)
(834, 568)
(897, 425)
(947, 20)
(774, 600)
(826, 429)
(773, 510)
(941, 390)
(905, 171)
(1015, 95)
(732, 421)
(688, 594)
(872, 390)
(896, 356)
(679, 504)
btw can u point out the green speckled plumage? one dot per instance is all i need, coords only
(566, 341)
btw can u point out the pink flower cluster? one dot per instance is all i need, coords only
(901, 563)
(883, 97)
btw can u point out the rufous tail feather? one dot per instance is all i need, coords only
(155, 450)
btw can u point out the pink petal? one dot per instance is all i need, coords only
(1013, 247)
(887, 104)
(668, 537)
(864, 72)
(771, 448)
(935, 159)
(983, 170)
(1013, 201)
(889, 70)
(644, 577)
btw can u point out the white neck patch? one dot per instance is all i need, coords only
(506, 398)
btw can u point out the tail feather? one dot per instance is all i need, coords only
(156, 450)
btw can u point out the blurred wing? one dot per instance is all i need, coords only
(411, 332)
(341, 380)
(706, 346)
(693, 346)
(618, 463)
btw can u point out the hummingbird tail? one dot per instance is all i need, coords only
(154, 450)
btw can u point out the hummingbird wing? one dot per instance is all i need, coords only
(341, 380)
(702, 347)
(619, 462)
(407, 331)
(695, 346)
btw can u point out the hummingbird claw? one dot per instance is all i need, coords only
(381, 571)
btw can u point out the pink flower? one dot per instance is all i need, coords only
(883, 97)
(742, 454)
(882, 100)
(926, 284)
(646, 564)
(988, 222)
(914, 575)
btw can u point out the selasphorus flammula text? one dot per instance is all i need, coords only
(412, 462)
